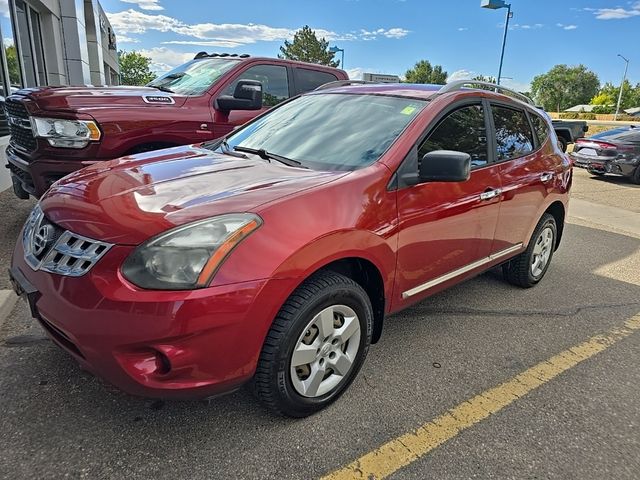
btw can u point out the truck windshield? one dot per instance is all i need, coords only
(329, 131)
(194, 77)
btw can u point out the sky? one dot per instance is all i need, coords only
(389, 36)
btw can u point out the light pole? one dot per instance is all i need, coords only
(495, 5)
(336, 50)
(624, 77)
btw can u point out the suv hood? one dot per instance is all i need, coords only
(128, 200)
(78, 98)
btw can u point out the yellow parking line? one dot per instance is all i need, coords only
(408, 448)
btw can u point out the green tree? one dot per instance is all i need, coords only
(134, 68)
(12, 65)
(306, 47)
(608, 95)
(482, 78)
(424, 72)
(563, 87)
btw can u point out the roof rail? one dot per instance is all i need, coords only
(342, 83)
(460, 84)
(207, 55)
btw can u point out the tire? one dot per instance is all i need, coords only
(301, 390)
(635, 177)
(596, 174)
(520, 270)
(562, 143)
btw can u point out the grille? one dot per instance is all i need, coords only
(20, 126)
(49, 248)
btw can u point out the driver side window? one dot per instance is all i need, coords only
(462, 130)
(275, 84)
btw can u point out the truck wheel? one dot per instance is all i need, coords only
(528, 268)
(635, 178)
(562, 143)
(315, 347)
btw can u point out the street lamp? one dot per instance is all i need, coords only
(335, 49)
(495, 5)
(624, 77)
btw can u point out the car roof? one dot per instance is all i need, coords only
(410, 90)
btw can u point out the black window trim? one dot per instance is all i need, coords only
(293, 68)
(396, 183)
(526, 112)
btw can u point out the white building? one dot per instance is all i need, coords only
(56, 42)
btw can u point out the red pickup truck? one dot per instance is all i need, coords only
(58, 130)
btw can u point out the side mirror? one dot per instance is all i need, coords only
(445, 166)
(440, 166)
(247, 96)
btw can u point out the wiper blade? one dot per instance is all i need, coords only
(262, 153)
(226, 149)
(161, 88)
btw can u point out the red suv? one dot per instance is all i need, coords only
(274, 254)
(58, 130)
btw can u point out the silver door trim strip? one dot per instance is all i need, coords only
(460, 271)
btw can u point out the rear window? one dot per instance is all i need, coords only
(540, 127)
(513, 133)
(307, 80)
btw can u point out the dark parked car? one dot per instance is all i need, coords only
(274, 254)
(615, 151)
(569, 131)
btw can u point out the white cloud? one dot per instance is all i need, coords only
(229, 34)
(164, 59)
(146, 4)
(566, 27)
(526, 26)
(515, 85)
(7, 41)
(356, 73)
(616, 13)
(4, 8)
(125, 39)
(460, 75)
(462, 29)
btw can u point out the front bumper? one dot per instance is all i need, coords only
(36, 176)
(180, 344)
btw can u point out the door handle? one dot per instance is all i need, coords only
(489, 194)
(545, 177)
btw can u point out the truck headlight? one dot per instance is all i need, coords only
(65, 133)
(188, 256)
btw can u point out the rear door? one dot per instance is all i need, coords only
(528, 167)
(276, 87)
(447, 228)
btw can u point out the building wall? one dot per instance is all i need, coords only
(77, 43)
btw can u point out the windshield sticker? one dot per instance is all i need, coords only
(408, 110)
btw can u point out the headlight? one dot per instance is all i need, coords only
(187, 257)
(65, 133)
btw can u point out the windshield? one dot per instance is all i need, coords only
(330, 131)
(194, 77)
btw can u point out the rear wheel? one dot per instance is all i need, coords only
(315, 347)
(635, 178)
(562, 143)
(528, 268)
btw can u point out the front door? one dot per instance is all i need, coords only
(275, 89)
(444, 228)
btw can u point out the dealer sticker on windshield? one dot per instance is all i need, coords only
(408, 110)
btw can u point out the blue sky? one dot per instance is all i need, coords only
(389, 36)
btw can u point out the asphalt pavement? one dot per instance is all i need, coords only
(58, 421)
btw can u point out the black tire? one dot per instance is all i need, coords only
(596, 173)
(635, 177)
(273, 383)
(562, 143)
(517, 271)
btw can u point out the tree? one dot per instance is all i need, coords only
(608, 95)
(12, 64)
(563, 87)
(423, 72)
(306, 47)
(482, 78)
(134, 68)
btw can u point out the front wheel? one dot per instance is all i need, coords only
(635, 178)
(528, 268)
(315, 347)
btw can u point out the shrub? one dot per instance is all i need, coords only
(603, 109)
(569, 115)
(587, 116)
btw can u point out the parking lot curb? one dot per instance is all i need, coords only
(7, 301)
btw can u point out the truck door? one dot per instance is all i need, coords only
(275, 89)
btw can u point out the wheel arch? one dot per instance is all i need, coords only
(557, 211)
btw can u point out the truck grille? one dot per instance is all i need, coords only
(20, 125)
(50, 248)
